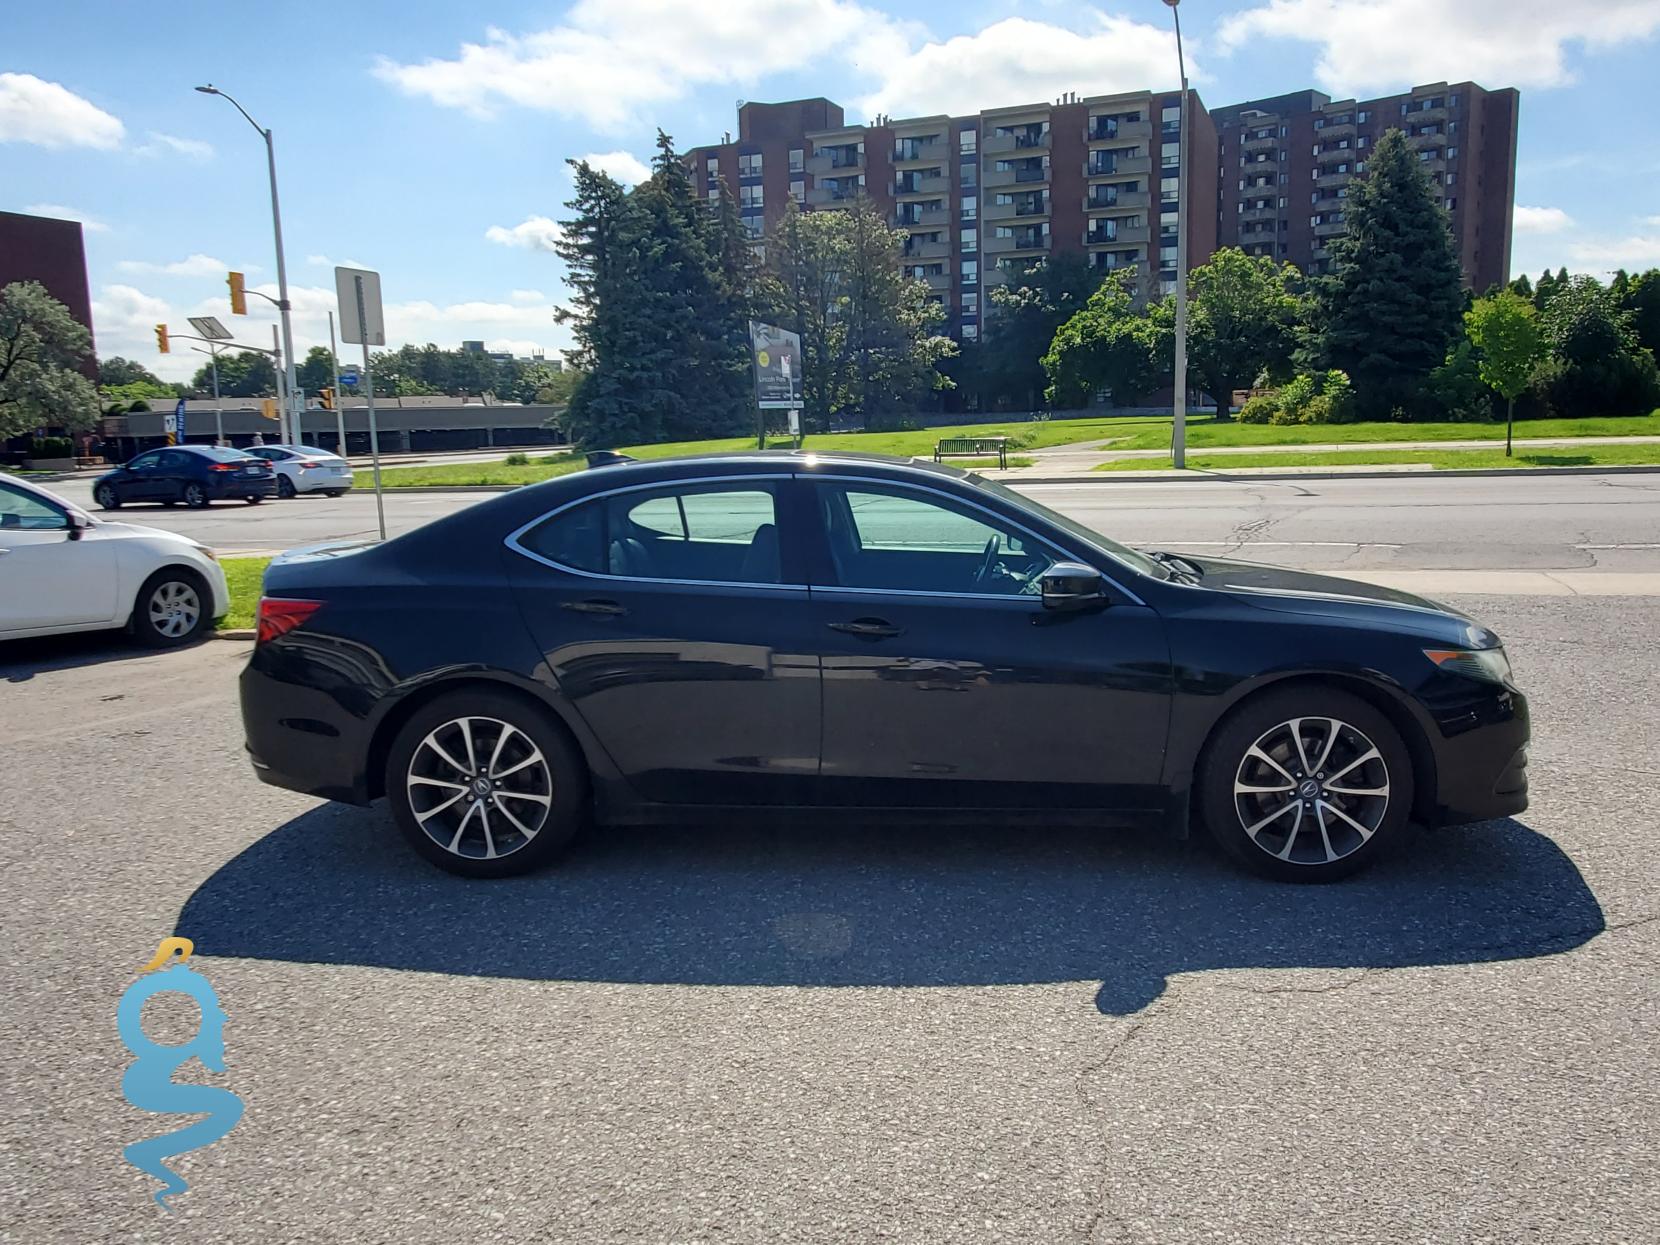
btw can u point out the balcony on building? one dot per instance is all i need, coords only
(1331, 153)
(1335, 177)
(1103, 197)
(1259, 138)
(936, 275)
(833, 190)
(1118, 128)
(1329, 227)
(1113, 261)
(1029, 136)
(829, 159)
(1422, 138)
(927, 246)
(1025, 203)
(1114, 163)
(920, 149)
(1250, 214)
(1425, 109)
(1024, 239)
(1115, 230)
(920, 215)
(921, 182)
(1021, 171)
(1336, 125)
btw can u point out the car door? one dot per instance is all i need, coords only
(177, 468)
(46, 578)
(141, 478)
(946, 682)
(676, 620)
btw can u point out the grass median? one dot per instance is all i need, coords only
(243, 576)
(1203, 434)
(1590, 455)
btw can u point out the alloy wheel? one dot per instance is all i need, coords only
(479, 787)
(174, 609)
(1311, 791)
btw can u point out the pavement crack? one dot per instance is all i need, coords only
(1333, 988)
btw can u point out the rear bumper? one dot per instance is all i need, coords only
(300, 738)
(234, 489)
(320, 482)
(1481, 762)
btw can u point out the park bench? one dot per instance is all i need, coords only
(973, 447)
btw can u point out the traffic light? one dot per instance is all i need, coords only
(239, 294)
(161, 339)
(268, 407)
(325, 399)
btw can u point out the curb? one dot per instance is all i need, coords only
(234, 633)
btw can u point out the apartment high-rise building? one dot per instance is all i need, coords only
(1287, 164)
(984, 196)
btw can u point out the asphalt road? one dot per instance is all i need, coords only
(721, 1035)
(1604, 522)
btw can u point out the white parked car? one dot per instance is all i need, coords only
(305, 469)
(62, 570)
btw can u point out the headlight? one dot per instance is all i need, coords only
(1488, 664)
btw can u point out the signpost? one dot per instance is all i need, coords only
(362, 321)
(776, 356)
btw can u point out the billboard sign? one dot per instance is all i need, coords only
(776, 356)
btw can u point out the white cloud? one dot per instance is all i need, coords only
(626, 167)
(323, 261)
(1541, 220)
(533, 233)
(1018, 60)
(48, 114)
(527, 296)
(192, 266)
(612, 60)
(164, 144)
(1377, 45)
(124, 321)
(1635, 251)
(1653, 221)
(61, 212)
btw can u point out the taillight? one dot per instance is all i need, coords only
(280, 615)
(224, 467)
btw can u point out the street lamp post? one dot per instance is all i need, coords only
(290, 417)
(1178, 430)
(218, 407)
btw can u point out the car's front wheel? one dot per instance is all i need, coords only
(285, 487)
(485, 784)
(1309, 784)
(195, 496)
(106, 497)
(173, 608)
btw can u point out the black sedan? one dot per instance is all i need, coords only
(193, 474)
(821, 634)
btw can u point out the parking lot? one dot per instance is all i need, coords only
(708, 1033)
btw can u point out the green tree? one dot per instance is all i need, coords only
(1521, 285)
(1021, 320)
(808, 257)
(1642, 301)
(1108, 345)
(1243, 317)
(1599, 367)
(244, 374)
(1504, 328)
(118, 371)
(545, 384)
(316, 370)
(41, 349)
(1391, 306)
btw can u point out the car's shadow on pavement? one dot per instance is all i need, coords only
(881, 906)
(22, 660)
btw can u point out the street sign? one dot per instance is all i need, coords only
(210, 328)
(776, 356)
(349, 376)
(361, 320)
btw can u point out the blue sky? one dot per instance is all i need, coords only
(428, 141)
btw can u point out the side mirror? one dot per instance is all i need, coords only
(78, 523)
(1072, 586)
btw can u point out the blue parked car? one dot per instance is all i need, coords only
(193, 474)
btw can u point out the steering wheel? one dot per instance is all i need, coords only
(987, 562)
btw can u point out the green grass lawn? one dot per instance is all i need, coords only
(918, 443)
(1590, 455)
(243, 575)
(1209, 433)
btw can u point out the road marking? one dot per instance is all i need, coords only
(1286, 544)
(1629, 546)
(1517, 583)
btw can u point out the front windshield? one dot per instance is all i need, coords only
(1133, 558)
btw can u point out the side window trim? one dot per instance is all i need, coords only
(514, 542)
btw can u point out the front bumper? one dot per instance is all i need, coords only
(1481, 759)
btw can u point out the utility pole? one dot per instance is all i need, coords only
(1178, 428)
(339, 398)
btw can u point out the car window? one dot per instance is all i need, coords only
(894, 539)
(144, 462)
(175, 460)
(713, 533)
(270, 455)
(21, 511)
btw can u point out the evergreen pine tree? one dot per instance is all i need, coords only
(1392, 303)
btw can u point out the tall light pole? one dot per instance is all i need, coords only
(1178, 429)
(290, 420)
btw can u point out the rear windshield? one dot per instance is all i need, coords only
(217, 454)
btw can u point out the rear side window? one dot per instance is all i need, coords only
(709, 533)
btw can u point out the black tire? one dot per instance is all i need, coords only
(195, 496)
(253, 501)
(285, 488)
(169, 504)
(334, 492)
(162, 631)
(561, 779)
(106, 497)
(1339, 828)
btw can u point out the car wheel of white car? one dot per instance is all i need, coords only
(173, 607)
(285, 487)
(106, 497)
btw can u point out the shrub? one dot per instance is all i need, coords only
(1258, 409)
(51, 447)
(1454, 391)
(517, 460)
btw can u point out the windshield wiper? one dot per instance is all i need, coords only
(1179, 565)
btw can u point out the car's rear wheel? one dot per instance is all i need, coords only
(334, 492)
(285, 487)
(195, 496)
(253, 501)
(106, 497)
(173, 607)
(1309, 784)
(485, 784)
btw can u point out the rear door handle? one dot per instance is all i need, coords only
(610, 608)
(868, 628)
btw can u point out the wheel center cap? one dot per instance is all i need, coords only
(1307, 789)
(481, 786)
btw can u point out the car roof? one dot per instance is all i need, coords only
(810, 460)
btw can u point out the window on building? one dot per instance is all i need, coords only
(798, 159)
(969, 208)
(749, 164)
(968, 141)
(714, 194)
(711, 166)
(971, 272)
(1452, 153)
(750, 196)
(1168, 189)
(970, 239)
(1170, 154)
(1363, 116)
(968, 174)
(1451, 204)
(970, 303)
(798, 191)
(1452, 179)
(1361, 141)
(970, 332)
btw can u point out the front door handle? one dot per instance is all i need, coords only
(609, 608)
(868, 628)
